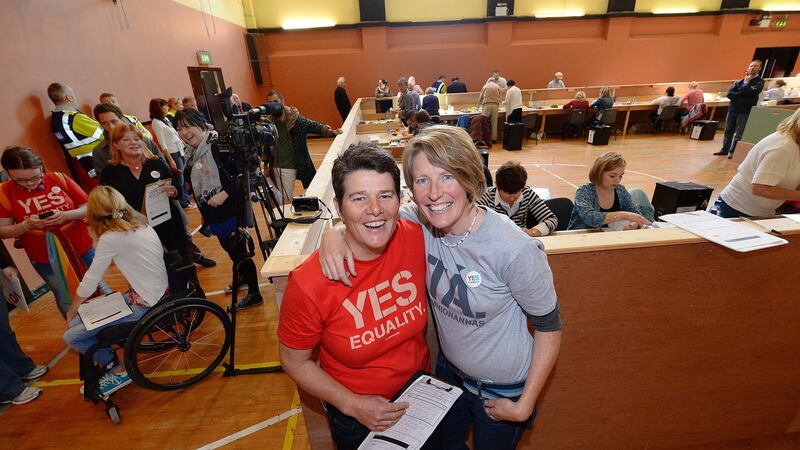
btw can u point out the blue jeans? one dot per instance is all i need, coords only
(14, 363)
(183, 195)
(469, 411)
(734, 127)
(727, 211)
(81, 340)
(62, 297)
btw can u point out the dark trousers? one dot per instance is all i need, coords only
(348, 433)
(14, 363)
(247, 269)
(469, 411)
(180, 163)
(734, 127)
(727, 211)
(515, 116)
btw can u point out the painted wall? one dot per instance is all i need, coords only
(275, 13)
(87, 45)
(305, 64)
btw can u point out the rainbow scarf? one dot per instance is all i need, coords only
(65, 263)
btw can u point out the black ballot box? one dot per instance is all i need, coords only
(383, 104)
(598, 134)
(679, 197)
(512, 135)
(703, 130)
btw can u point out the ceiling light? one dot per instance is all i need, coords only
(561, 13)
(781, 7)
(675, 11)
(296, 24)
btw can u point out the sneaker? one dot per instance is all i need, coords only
(114, 382)
(249, 301)
(205, 262)
(28, 394)
(102, 379)
(37, 372)
(730, 155)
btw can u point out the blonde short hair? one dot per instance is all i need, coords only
(340, 81)
(580, 95)
(449, 148)
(790, 127)
(604, 163)
(693, 85)
(108, 211)
(117, 134)
(605, 91)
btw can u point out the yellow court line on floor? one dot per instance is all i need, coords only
(72, 381)
(288, 439)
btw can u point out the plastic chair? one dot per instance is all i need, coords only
(530, 122)
(667, 115)
(609, 117)
(576, 119)
(562, 208)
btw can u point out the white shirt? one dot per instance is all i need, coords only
(774, 161)
(556, 84)
(138, 255)
(774, 94)
(665, 100)
(500, 81)
(167, 137)
(513, 99)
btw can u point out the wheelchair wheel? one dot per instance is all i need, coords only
(178, 344)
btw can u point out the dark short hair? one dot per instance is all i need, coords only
(780, 82)
(440, 77)
(276, 93)
(21, 158)
(190, 117)
(454, 79)
(670, 91)
(101, 108)
(408, 114)
(422, 116)
(362, 156)
(510, 83)
(402, 81)
(155, 108)
(511, 177)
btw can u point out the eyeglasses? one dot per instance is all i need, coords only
(33, 179)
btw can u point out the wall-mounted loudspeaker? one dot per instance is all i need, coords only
(252, 53)
(615, 6)
(372, 10)
(735, 4)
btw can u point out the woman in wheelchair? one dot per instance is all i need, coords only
(123, 237)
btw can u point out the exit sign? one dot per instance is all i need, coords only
(203, 57)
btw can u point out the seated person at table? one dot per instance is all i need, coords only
(775, 91)
(416, 121)
(579, 102)
(123, 237)
(694, 96)
(513, 198)
(430, 103)
(363, 359)
(383, 90)
(668, 99)
(456, 86)
(603, 103)
(768, 176)
(604, 201)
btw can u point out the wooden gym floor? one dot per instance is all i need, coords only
(220, 407)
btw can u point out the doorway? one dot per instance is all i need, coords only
(207, 82)
(778, 61)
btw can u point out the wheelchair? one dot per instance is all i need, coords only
(177, 342)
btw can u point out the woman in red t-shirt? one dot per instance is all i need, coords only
(34, 202)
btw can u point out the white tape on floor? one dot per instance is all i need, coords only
(250, 430)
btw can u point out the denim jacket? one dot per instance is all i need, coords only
(586, 211)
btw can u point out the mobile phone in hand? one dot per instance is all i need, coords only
(46, 214)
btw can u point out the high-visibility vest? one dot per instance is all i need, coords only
(76, 132)
(138, 124)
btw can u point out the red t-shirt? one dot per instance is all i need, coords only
(371, 336)
(50, 196)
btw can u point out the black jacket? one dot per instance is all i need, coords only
(342, 102)
(745, 96)
(456, 87)
(225, 211)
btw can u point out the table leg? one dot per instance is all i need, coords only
(713, 110)
(625, 127)
(541, 128)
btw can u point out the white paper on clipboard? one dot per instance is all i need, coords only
(12, 289)
(103, 310)
(156, 202)
(428, 400)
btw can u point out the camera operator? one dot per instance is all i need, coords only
(293, 160)
(213, 189)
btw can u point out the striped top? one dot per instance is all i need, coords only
(529, 204)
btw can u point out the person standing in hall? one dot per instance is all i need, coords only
(489, 102)
(340, 98)
(513, 103)
(405, 101)
(293, 160)
(77, 133)
(16, 368)
(497, 79)
(743, 95)
(456, 86)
